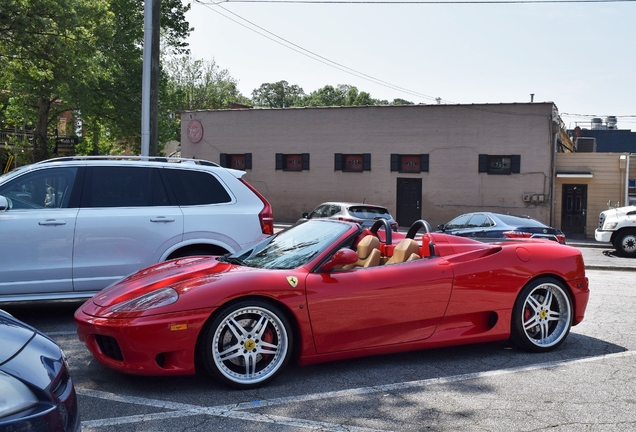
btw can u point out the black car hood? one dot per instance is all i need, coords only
(14, 335)
(27, 354)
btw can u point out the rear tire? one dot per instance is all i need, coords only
(542, 315)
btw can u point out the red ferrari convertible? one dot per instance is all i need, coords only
(327, 290)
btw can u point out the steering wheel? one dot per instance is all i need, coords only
(387, 230)
(417, 225)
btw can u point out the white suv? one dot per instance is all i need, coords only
(71, 226)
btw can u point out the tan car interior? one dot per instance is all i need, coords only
(370, 254)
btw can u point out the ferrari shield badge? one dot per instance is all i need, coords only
(293, 281)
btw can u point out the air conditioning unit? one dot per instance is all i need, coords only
(586, 145)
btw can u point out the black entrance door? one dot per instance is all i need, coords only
(409, 201)
(574, 208)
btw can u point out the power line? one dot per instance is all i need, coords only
(316, 57)
(310, 54)
(398, 2)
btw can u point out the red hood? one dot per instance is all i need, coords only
(197, 280)
(169, 273)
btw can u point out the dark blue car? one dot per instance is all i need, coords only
(489, 225)
(36, 391)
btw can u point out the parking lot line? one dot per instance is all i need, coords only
(240, 411)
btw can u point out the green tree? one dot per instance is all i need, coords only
(398, 101)
(342, 95)
(326, 96)
(278, 95)
(191, 84)
(198, 84)
(114, 113)
(48, 46)
(79, 55)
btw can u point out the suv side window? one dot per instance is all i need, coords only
(41, 189)
(116, 186)
(197, 188)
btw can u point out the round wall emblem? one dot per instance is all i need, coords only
(195, 131)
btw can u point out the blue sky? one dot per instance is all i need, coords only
(581, 56)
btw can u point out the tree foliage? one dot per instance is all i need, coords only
(278, 95)
(342, 95)
(79, 55)
(281, 95)
(48, 47)
(194, 84)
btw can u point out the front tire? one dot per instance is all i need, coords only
(247, 344)
(626, 243)
(542, 315)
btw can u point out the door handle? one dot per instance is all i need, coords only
(161, 219)
(51, 222)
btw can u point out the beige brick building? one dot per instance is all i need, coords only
(586, 182)
(421, 161)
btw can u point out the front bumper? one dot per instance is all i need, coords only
(603, 236)
(143, 345)
(580, 290)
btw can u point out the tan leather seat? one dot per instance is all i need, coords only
(368, 253)
(406, 250)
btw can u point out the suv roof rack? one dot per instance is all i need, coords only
(138, 158)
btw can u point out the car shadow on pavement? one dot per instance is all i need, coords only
(614, 254)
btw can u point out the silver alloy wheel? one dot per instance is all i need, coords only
(546, 315)
(249, 345)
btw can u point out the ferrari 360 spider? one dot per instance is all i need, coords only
(328, 290)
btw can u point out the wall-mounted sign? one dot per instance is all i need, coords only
(195, 131)
(64, 142)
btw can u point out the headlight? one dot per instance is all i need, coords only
(610, 226)
(155, 299)
(14, 396)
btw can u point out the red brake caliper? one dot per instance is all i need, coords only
(268, 337)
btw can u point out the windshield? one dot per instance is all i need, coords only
(294, 247)
(13, 172)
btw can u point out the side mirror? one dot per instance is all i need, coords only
(343, 257)
(440, 227)
(306, 215)
(4, 203)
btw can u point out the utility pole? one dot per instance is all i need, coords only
(154, 79)
(150, 78)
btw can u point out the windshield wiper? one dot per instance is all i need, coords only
(230, 259)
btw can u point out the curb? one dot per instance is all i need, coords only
(591, 245)
(609, 268)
